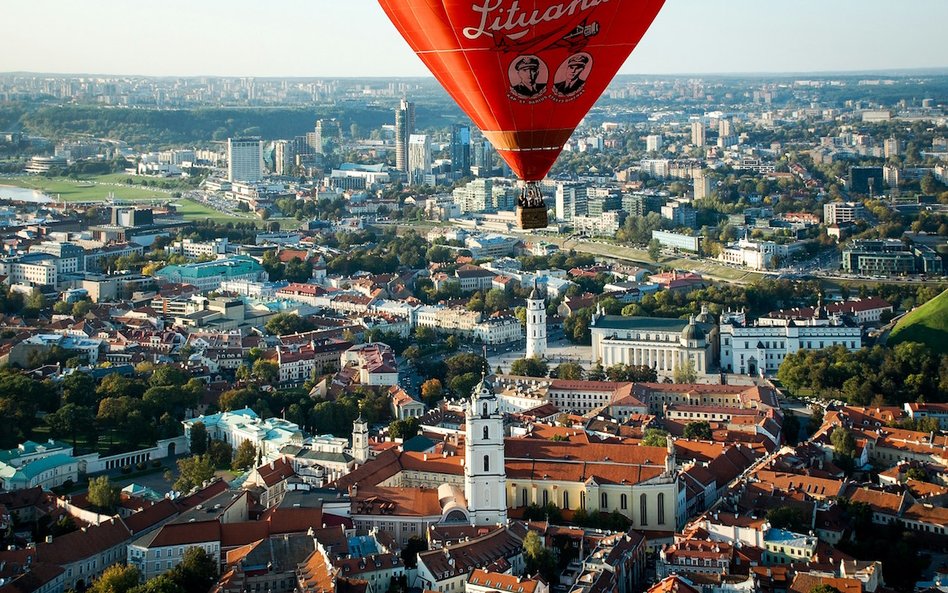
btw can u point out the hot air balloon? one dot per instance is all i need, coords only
(525, 71)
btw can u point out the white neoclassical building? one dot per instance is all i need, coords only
(663, 344)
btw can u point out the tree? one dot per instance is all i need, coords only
(791, 429)
(700, 431)
(197, 570)
(788, 517)
(538, 558)
(198, 438)
(432, 391)
(162, 583)
(655, 437)
(416, 544)
(654, 250)
(824, 589)
(168, 376)
(118, 578)
(102, 494)
(530, 367)
(193, 471)
(685, 373)
(220, 453)
(79, 388)
(844, 443)
(245, 457)
(576, 326)
(917, 473)
(81, 308)
(496, 299)
(266, 372)
(71, 420)
(569, 370)
(403, 429)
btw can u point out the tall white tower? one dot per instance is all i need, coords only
(536, 324)
(360, 440)
(485, 478)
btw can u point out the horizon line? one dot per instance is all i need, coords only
(899, 72)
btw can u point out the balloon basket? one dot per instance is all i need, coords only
(531, 209)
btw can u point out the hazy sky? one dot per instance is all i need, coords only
(354, 38)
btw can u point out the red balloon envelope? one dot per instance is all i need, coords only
(525, 71)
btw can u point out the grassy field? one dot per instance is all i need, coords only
(927, 324)
(92, 190)
(192, 210)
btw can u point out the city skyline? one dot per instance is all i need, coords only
(688, 37)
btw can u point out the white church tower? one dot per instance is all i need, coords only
(485, 479)
(536, 324)
(360, 440)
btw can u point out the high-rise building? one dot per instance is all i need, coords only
(702, 187)
(536, 325)
(419, 158)
(698, 133)
(654, 143)
(724, 127)
(461, 150)
(284, 157)
(891, 147)
(866, 180)
(404, 128)
(642, 204)
(244, 159)
(324, 132)
(484, 158)
(571, 200)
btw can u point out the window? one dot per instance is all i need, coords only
(485, 409)
(565, 499)
(661, 508)
(486, 433)
(523, 497)
(624, 502)
(487, 463)
(603, 501)
(546, 498)
(643, 510)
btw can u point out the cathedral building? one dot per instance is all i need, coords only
(660, 343)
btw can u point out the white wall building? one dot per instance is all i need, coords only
(244, 159)
(759, 348)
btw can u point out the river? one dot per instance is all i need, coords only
(23, 194)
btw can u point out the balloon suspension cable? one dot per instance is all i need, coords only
(531, 196)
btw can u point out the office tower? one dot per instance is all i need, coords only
(654, 143)
(419, 158)
(866, 180)
(244, 159)
(571, 200)
(697, 133)
(324, 132)
(284, 157)
(484, 158)
(404, 127)
(461, 150)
